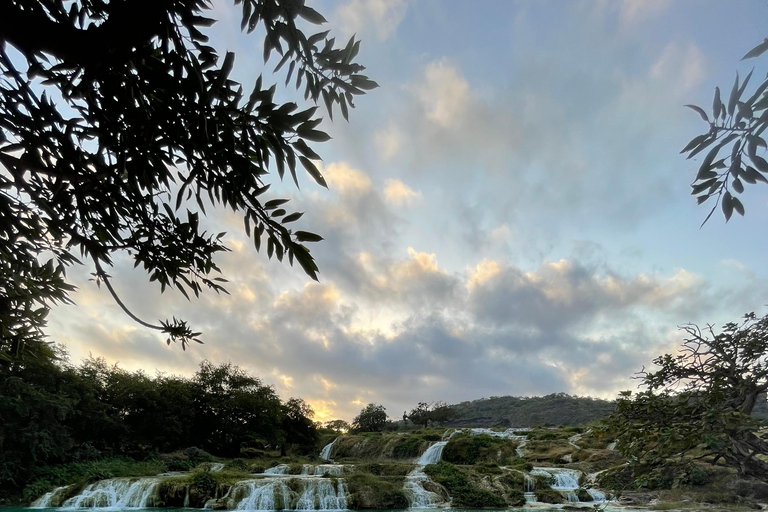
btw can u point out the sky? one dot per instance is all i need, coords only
(507, 214)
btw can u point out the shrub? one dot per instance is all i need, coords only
(407, 447)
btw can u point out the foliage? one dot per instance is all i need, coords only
(424, 414)
(461, 489)
(467, 449)
(119, 124)
(63, 424)
(371, 419)
(512, 411)
(367, 491)
(338, 426)
(699, 401)
(736, 130)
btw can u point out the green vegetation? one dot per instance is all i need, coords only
(77, 193)
(65, 424)
(368, 491)
(511, 411)
(461, 488)
(699, 402)
(468, 449)
(372, 418)
(547, 495)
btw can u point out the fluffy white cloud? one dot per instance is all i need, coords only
(398, 193)
(383, 16)
(443, 94)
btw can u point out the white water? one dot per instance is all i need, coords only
(596, 495)
(565, 480)
(44, 501)
(280, 469)
(216, 467)
(275, 494)
(325, 453)
(418, 496)
(433, 454)
(116, 493)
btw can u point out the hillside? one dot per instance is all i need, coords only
(512, 411)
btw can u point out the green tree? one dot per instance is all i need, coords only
(338, 426)
(372, 418)
(700, 399)
(734, 141)
(119, 124)
(298, 426)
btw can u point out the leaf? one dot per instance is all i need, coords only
(734, 96)
(292, 217)
(313, 171)
(757, 50)
(274, 203)
(727, 205)
(306, 236)
(737, 206)
(716, 103)
(699, 110)
(738, 186)
(312, 15)
(695, 142)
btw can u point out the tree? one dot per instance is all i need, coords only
(372, 418)
(424, 413)
(736, 129)
(119, 125)
(338, 426)
(419, 415)
(700, 400)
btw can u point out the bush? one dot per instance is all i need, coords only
(367, 491)
(407, 447)
(469, 450)
(463, 492)
(516, 498)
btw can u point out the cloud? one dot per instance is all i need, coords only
(443, 93)
(398, 193)
(383, 16)
(388, 142)
(346, 180)
(680, 64)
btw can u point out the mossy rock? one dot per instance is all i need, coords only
(583, 495)
(367, 491)
(548, 496)
(516, 498)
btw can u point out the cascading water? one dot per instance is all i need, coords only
(596, 495)
(433, 454)
(47, 500)
(418, 496)
(564, 480)
(277, 494)
(216, 467)
(116, 493)
(325, 453)
(280, 469)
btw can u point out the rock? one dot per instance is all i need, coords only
(749, 488)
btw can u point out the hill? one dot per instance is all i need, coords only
(513, 411)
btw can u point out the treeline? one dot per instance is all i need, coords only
(511, 411)
(53, 412)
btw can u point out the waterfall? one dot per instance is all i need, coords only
(276, 494)
(46, 500)
(596, 495)
(325, 453)
(331, 469)
(280, 469)
(564, 480)
(216, 467)
(418, 496)
(116, 493)
(433, 454)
